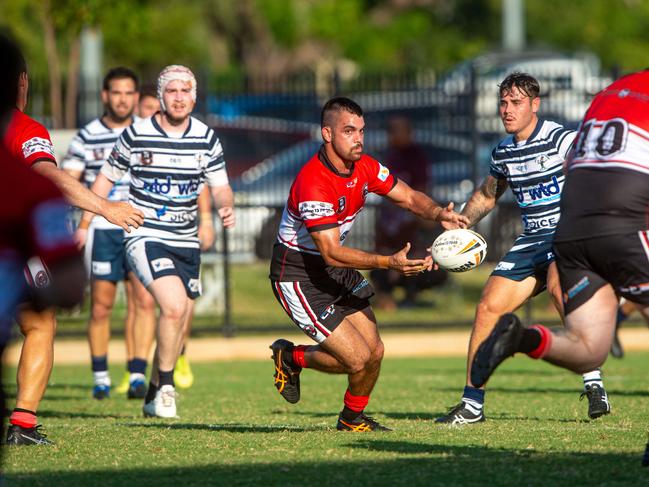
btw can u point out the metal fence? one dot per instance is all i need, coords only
(270, 128)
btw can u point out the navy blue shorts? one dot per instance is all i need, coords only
(521, 263)
(151, 259)
(105, 255)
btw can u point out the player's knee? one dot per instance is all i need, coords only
(487, 310)
(358, 361)
(377, 353)
(145, 301)
(100, 311)
(175, 310)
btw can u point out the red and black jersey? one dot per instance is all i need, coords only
(322, 198)
(606, 191)
(27, 140)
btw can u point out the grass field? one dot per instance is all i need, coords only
(236, 430)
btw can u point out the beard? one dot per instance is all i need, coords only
(116, 117)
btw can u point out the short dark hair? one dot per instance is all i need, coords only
(526, 83)
(337, 104)
(13, 65)
(148, 89)
(120, 72)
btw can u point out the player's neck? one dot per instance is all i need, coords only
(110, 122)
(525, 133)
(341, 165)
(170, 125)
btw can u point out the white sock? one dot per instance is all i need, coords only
(101, 378)
(473, 404)
(593, 378)
(135, 376)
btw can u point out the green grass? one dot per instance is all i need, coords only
(236, 430)
(254, 306)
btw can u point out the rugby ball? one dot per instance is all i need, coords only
(459, 250)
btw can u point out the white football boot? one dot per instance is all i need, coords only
(164, 404)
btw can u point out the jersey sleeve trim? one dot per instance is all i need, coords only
(321, 227)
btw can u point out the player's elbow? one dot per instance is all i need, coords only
(329, 260)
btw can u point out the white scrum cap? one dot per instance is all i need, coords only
(172, 73)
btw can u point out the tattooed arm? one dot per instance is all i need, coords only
(484, 199)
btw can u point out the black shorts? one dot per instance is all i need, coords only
(587, 265)
(319, 306)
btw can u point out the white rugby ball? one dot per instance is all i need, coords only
(459, 250)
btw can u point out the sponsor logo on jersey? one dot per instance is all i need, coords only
(146, 158)
(341, 204)
(539, 191)
(309, 329)
(194, 285)
(539, 223)
(365, 191)
(505, 266)
(541, 161)
(100, 268)
(164, 187)
(161, 264)
(576, 289)
(310, 210)
(351, 184)
(160, 212)
(98, 154)
(384, 172)
(328, 312)
(37, 144)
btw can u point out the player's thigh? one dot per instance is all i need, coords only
(348, 345)
(501, 295)
(103, 292)
(365, 323)
(593, 322)
(554, 287)
(169, 293)
(141, 296)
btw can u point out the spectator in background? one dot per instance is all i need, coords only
(148, 103)
(407, 161)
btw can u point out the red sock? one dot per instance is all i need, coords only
(355, 403)
(546, 342)
(298, 356)
(23, 418)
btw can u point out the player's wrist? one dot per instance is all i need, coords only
(83, 224)
(206, 218)
(383, 261)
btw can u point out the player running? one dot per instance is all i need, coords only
(530, 161)
(314, 276)
(29, 141)
(601, 242)
(170, 156)
(104, 242)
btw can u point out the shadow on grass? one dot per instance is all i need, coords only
(46, 413)
(232, 428)
(375, 464)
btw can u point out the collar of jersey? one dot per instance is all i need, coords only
(322, 155)
(157, 126)
(535, 132)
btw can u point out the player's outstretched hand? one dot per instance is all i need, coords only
(122, 214)
(227, 216)
(451, 220)
(400, 262)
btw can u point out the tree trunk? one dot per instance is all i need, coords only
(53, 66)
(72, 88)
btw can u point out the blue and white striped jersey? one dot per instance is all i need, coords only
(167, 175)
(534, 171)
(87, 152)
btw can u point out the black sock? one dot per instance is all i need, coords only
(150, 393)
(166, 378)
(349, 414)
(530, 341)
